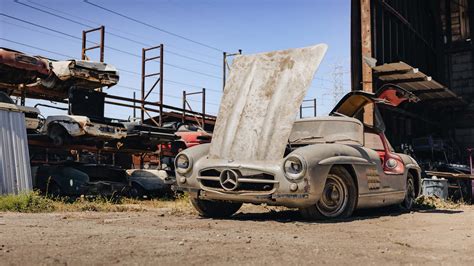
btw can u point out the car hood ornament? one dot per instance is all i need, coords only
(261, 100)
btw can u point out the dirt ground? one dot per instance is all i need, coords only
(255, 236)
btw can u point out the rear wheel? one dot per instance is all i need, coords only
(215, 209)
(410, 195)
(338, 199)
(58, 135)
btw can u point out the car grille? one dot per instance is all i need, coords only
(254, 182)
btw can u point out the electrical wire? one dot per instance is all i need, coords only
(108, 32)
(151, 26)
(109, 47)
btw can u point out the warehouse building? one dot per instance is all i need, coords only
(425, 47)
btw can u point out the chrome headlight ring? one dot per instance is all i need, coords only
(183, 163)
(294, 167)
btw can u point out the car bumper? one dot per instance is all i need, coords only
(263, 182)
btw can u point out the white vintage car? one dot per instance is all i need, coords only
(326, 166)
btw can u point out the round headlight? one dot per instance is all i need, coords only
(391, 163)
(294, 167)
(183, 163)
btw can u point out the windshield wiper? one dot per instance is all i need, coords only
(306, 138)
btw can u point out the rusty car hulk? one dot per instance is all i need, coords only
(325, 166)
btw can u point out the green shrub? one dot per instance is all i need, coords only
(26, 202)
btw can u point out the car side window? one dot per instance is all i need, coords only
(373, 141)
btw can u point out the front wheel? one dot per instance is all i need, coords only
(338, 199)
(215, 209)
(410, 195)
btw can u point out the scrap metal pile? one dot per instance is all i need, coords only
(80, 151)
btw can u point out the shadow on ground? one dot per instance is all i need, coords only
(286, 216)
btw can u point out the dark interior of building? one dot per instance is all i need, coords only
(434, 38)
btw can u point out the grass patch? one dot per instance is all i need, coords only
(26, 202)
(432, 202)
(33, 202)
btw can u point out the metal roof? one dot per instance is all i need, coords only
(15, 172)
(415, 81)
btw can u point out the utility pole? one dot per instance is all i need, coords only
(366, 38)
(225, 65)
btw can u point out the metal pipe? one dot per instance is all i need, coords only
(134, 105)
(102, 41)
(142, 112)
(315, 107)
(203, 108)
(224, 69)
(83, 52)
(184, 107)
(161, 83)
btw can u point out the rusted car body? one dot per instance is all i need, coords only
(80, 74)
(19, 68)
(189, 134)
(62, 129)
(327, 167)
(146, 137)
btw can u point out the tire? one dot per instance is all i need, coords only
(58, 135)
(410, 195)
(338, 199)
(53, 190)
(137, 191)
(215, 209)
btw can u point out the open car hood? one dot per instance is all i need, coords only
(260, 103)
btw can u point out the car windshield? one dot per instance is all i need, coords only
(331, 129)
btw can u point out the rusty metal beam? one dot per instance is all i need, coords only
(100, 46)
(366, 37)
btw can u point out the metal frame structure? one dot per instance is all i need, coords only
(203, 109)
(225, 65)
(99, 46)
(144, 76)
(313, 106)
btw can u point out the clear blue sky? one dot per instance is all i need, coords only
(251, 25)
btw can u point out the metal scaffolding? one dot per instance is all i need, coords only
(203, 108)
(312, 106)
(159, 81)
(99, 46)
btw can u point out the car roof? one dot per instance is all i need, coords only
(329, 118)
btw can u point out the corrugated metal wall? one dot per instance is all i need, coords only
(15, 171)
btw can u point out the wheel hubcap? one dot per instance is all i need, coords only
(334, 197)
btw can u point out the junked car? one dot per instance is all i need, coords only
(68, 129)
(80, 74)
(76, 179)
(150, 182)
(146, 137)
(326, 167)
(19, 68)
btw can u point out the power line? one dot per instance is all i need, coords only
(125, 32)
(120, 69)
(108, 32)
(151, 26)
(168, 95)
(109, 47)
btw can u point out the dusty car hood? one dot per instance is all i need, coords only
(260, 103)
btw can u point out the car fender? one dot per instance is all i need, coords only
(320, 158)
(74, 125)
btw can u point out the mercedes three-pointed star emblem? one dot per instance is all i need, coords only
(229, 179)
